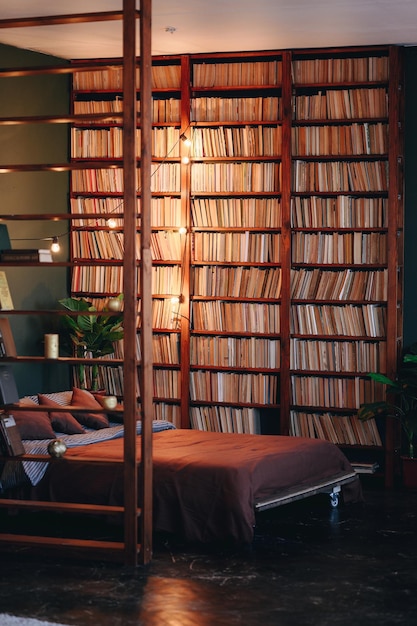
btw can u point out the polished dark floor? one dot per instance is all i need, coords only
(309, 565)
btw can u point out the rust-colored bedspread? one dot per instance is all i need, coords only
(205, 484)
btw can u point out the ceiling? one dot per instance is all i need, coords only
(192, 26)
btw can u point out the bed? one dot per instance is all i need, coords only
(207, 486)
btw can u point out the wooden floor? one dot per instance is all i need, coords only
(309, 564)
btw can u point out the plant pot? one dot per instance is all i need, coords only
(409, 467)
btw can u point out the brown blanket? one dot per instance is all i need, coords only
(205, 484)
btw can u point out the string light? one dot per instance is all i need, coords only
(112, 221)
(55, 247)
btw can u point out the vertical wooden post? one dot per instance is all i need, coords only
(395, 247)
(285, 312)
(130, 282)
(146, 378)
(184, 307)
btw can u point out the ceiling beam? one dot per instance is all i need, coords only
(53, 20)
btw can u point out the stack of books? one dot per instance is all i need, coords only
(25, 255)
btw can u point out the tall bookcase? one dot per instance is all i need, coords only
(277, 235)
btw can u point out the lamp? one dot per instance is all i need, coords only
(55, 247)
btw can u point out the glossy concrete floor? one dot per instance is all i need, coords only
(309, 565)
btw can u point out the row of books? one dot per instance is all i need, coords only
(166, 210)
(236, 73)
(209, 386)
(164, 110)
(166, 383)
(342, 104)
(89, 143)
(339, 429)
(94, 279)
(348, 284)
(164, 312)
(327, 104)
(236, 212)
(364, 320)
(109, 244)
(165, 178)
(340, 140)
(243, 352)
(339, 212)
(244, 247)
(338, 356)
(108, 78)
(357, 248)
(236, 141)
(250, 109)
(245, 317)
(224, 177)
(340, 176)
(237, 282)
(226, 419)
(340, 70)
(167, 411)
(165, 348)
(352, 139)
(331, 392)
(109, 378)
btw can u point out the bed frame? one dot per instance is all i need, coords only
(331, 486)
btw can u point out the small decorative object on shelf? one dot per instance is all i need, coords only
(114, 304)
(51, 346)
(107, 402)
(57, 448)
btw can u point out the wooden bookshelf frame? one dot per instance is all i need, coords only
(129, 550)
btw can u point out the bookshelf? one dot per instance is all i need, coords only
(288, 278)
(97, 249)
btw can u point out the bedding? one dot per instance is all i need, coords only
(206, 484)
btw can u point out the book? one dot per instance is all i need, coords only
(8, 389)
(365, 468)
(6, 302)
(7, 345)
(10, 436)
(42, 255)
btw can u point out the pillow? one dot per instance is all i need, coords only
(33, 424)
(61, 422)
(83, 398)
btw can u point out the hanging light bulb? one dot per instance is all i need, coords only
(182, 230)
(184, 138)
(55, 247)
(111, 222)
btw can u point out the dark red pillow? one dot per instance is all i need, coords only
(33, 424)
(83, 398)
(61, 422)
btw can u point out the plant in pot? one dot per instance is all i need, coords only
(400, 404)
(92, 334)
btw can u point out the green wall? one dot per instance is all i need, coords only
(35, 192)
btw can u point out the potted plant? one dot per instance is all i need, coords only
(93, 334)
(401, 404)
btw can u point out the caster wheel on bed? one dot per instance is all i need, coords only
(334, 500)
